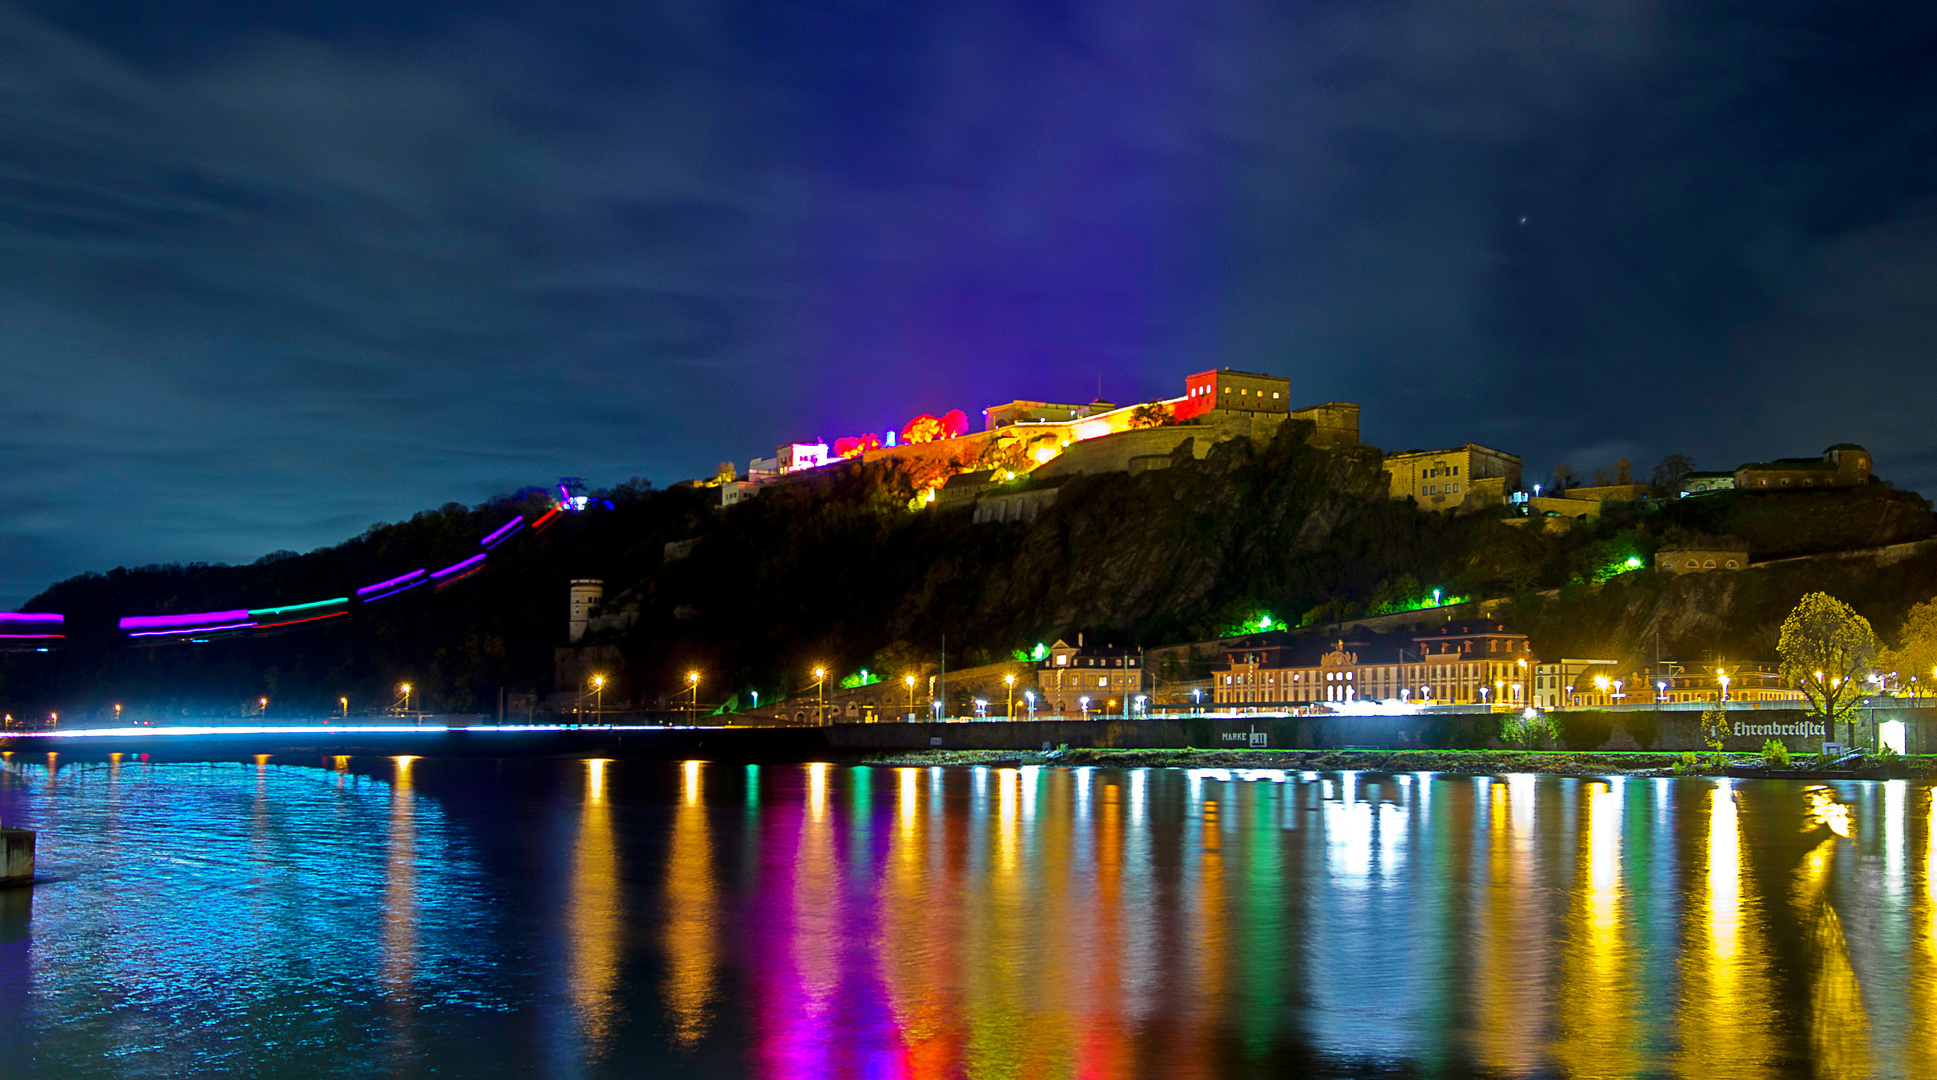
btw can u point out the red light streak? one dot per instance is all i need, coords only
(312, 618)
(543, 521)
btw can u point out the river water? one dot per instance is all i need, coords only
(378, 916)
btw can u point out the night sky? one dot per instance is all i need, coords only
(272, 272)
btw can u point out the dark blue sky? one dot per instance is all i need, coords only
(272, 272)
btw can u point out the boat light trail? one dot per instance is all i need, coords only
(185, 622)
(19, 625)
(203, 730)
(393, 592)
(285, 609)
(399, 579)
(457, 566)
(295, 622)
(175, 631)
(503, 531)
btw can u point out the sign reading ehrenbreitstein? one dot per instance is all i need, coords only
(1806, 728)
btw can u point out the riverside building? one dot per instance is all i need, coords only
(1478, 663)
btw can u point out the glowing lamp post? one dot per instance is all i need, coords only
(117, 714)
(909, 681)
(262, 706)
(598, 697)
(1085, 703)
(1030, 697)
(1010, 680)
(403, 695)
(820, 692)
(1140, 705)
(345, 703)
(692, 684)
(1483, 703)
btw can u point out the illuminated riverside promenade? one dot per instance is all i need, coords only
(746, 739)
(610, 918)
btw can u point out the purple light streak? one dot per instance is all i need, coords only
(154, 622)
(29, 617)
(386, 584)
(502, 531)
(192, 629)
(457, 566)
(393, 592)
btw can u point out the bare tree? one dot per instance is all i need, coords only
(1565, 476)
(1670, 471)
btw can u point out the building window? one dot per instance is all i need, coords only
(1731, 564)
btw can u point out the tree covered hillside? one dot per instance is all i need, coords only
(836, 568)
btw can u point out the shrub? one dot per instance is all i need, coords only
(1776, 753)
(1888, 753)
(1586, 730)
(1526, 732)
(1714, 728)
(1687, 764)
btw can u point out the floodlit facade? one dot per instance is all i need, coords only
(1236, 391)
(1480, 662)
(1453, 478)
(1106, 674)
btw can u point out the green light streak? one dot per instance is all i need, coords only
(299, 607)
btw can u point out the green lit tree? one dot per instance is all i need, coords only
(1826, 649)
(1916, 651)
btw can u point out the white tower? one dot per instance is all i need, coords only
(586, 594)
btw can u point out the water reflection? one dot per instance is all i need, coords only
(817, 921)
(1728, 1023)
(691, 915)
(594, 920)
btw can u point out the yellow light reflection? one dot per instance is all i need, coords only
(399, 965)
(817, 910)
(594, 919)
(1726, 1011)
(1839, 1028)
(1597, 994)
(692, 916)
(1922, 992)
(1510, 969)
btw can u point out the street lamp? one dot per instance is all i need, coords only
(117, 714)
(1140, 700)
(403, 689)
(598, 697)
(345, 702)
(262, 707)
(1030, 697)
(909, 680)
(1085, 703)
(692, 683)
(820, 690)
(1483, 697)
(1011, 681)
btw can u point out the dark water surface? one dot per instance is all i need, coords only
(570, 918)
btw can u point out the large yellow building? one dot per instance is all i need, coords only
(1450, 479)
(1479, 662)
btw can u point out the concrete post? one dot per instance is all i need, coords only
(18, 867)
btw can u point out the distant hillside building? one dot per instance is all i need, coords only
(1698, 558)
(1470, 475)
(1034, 412)
(1698, 483)
(1844, 465)
(1237, 391)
